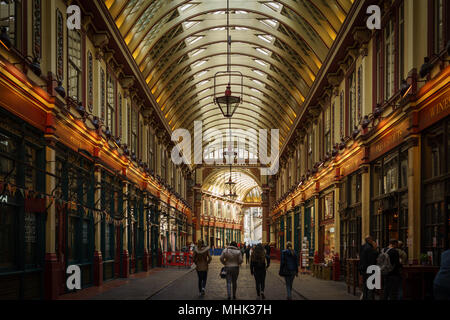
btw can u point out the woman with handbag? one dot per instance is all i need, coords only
(258, 265)
(202, 259)
(289, 267)
(231, 258)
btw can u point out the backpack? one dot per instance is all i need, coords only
(384, 262)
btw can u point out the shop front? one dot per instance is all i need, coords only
(389, 197)
(22, 210)
(297, 229)
(436, 191)
(326, 227)
(350, 213)
(309, 227)
(112, 209)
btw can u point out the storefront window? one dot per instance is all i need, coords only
(72, 237)
(8, 150)
(31, 228)
(389, 217)
(435, 168)
(8, 243)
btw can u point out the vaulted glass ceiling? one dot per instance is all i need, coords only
(279, 46)
(246, 185)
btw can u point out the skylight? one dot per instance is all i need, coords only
(241, 12)
(203, 91)
(257, 82)
(192, 40)
(255, 90)
(265, 64)
(241, 28)
(262, 74)
(190, 24)
(198, 64)
(196, 52)
(273, 5)
(218, 29)
(265, 38)
(198, 75)
(203, 82)
(269, 22)
(186, 6)
(263, 51)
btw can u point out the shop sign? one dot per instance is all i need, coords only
(352, 164)
(436, 111)
(395, 136)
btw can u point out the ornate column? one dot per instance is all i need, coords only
(98, 259)
(125, 258)
(365, 201)
(414, 196)
(53, 272)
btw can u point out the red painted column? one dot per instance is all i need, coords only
(51, 276)
(98, 268)
(125, 264)
(146, 264)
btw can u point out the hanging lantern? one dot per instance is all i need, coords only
(228, 103)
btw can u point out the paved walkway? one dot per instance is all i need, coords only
(186, 288)
(316, 289)
(181, 284)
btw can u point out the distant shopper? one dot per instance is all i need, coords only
(231, 258)
(267, 248)
(247, 254)
(259, 262)
(289, 267)
(441, 284)
(402, 253)
(202, 259)
(367, 257)
(393, 277)
(403, 260)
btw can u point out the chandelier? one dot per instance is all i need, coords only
(228, 103)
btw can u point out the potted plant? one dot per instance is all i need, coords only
(424, 259)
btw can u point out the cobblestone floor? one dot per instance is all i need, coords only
(181, 284)
(186, 288)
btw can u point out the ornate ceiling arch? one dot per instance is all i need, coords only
(245, 182)
(279, 46)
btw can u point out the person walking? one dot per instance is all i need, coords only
(259, 262)
(247, 254)
(403, 257)
(289, 267)
(267, 248)
(441, 283)
(393, 279)
(367, 257)
(202, 259)
(231, 258)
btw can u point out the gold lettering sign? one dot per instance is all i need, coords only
(389, 141)
(436, 111)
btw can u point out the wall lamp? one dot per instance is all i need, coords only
(5, 41)
(59, 88)
(34, 64)
(427, 66)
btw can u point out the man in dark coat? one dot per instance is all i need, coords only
(393, 280)
(367, 257)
